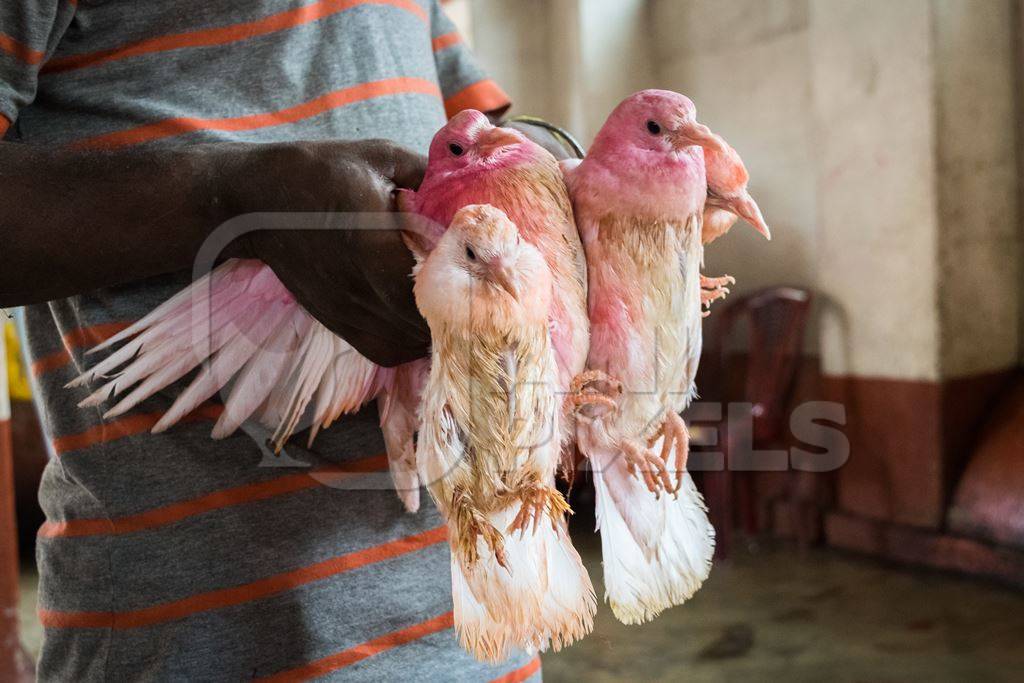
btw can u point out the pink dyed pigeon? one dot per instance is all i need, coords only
(473, 162)
(489, 443)
(639, 197)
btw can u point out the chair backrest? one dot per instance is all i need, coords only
(776, 318)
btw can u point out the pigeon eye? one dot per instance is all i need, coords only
(653, 128)
(456, 149)
(470, 254)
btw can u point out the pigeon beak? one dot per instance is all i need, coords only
(496, 139)
(501, 274)
(690, 133)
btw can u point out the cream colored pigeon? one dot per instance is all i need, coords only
(490, 439)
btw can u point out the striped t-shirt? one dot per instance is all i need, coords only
(174, 556)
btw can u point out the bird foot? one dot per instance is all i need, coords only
(677, 441)
(470, 524)
(596, 391)
(538, 500)
(712, 289)
(642, 463)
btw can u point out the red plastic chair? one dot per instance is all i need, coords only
(775, 319)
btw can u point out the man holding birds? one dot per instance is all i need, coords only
(131, 131)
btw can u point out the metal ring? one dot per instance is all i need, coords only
(562, 134)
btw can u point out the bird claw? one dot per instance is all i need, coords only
(536, 501)
(677, 441)
(642, 463)
(712, 289)
(716, 282)
(471, 525)
(594, 388)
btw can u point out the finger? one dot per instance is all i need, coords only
(392, 286)
(403, 167)
(409, 169)
(389, 320)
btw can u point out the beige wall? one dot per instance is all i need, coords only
(872, 84)
(880, 138)
(979, 246)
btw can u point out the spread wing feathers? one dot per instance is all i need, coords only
(639, 585)
(243, 328)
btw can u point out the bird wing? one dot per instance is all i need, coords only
(399, 404)
(571, 233)
(243, 328)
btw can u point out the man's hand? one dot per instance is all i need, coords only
(352, 273)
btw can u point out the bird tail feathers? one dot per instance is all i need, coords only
(645, 574)
(542, 597)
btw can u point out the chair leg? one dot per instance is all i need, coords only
(718, 493)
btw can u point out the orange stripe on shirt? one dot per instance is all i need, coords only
(256, 590)
(84, 336)
(483, 95)
(445, 41)
(333, 100)
(129, 425)
(322, 667)
(5, 123)
(520, 674)
(23, 53)
(216, 500)
(225, 35)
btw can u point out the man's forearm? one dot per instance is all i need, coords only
(72, 222)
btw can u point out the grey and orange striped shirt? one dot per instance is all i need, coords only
(172, 556)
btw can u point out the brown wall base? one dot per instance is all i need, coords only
(921, 547)
(909, 443)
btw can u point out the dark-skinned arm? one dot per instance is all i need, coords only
(71, 222)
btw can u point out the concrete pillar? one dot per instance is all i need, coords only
(919, 251)
(878, 228)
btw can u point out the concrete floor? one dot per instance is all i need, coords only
(768, 614)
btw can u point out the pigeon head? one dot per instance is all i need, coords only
(482, 261)
(655, 123)
(469, 143)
